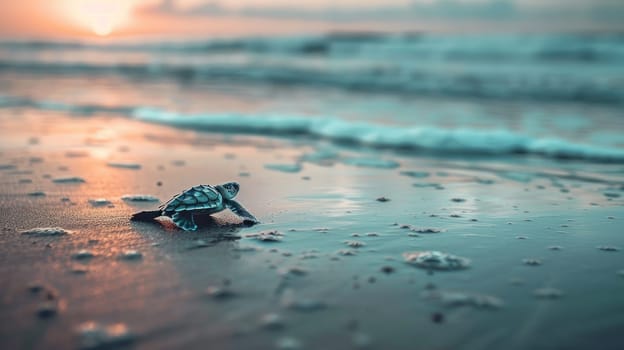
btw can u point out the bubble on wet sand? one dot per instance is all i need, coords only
(76, 154)
(139, 198)
(458, 299)
(131, 254)
(435, 260)
(548, 293)
(415, 174)
(93, 335)
(99, 202)
(69, 179)
(365, 162)
(285, 168)
(346, 252)
(430, 184)
(83, 254)
(361, 340)
(271, 321)
(608, 248)
(293, 271)
(531, 262)
(46, 231)
(288, 343)
(124, 165)
(291, 301)
(355, 244)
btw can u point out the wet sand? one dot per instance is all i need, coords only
(543, 242)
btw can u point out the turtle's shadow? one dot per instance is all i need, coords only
(209, 228)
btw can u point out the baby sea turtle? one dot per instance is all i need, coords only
(199, 200)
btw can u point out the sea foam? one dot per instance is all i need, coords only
(416, 138)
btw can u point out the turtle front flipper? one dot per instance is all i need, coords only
(239, 210)
(184, 220)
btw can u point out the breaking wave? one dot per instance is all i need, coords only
(435, 140)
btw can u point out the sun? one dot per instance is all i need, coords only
(102, 17)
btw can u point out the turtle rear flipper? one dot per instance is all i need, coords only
(184, 220)
(146, 215)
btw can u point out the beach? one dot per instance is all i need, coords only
(388, 220)
(486, 216)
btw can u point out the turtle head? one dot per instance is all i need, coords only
(228, 190)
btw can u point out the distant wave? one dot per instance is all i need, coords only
(496, 83)
(546, 47)
(415, 138)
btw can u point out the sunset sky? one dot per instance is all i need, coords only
(200, 18)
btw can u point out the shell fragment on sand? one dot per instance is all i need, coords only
(46, 231)
(139, 198)
(67, 180)
(124, 165)
(266, 236)
(99, 202)
(130, 254)
(608, 248)
(83, 255)
(548, 293)
(457, 299)
(434, 260)
(93, 335)
(285, 168)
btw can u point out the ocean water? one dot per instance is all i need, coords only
(551, 95)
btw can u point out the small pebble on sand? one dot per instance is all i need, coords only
(383, 199)
(47, 309)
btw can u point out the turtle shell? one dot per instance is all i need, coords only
(195, 198)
